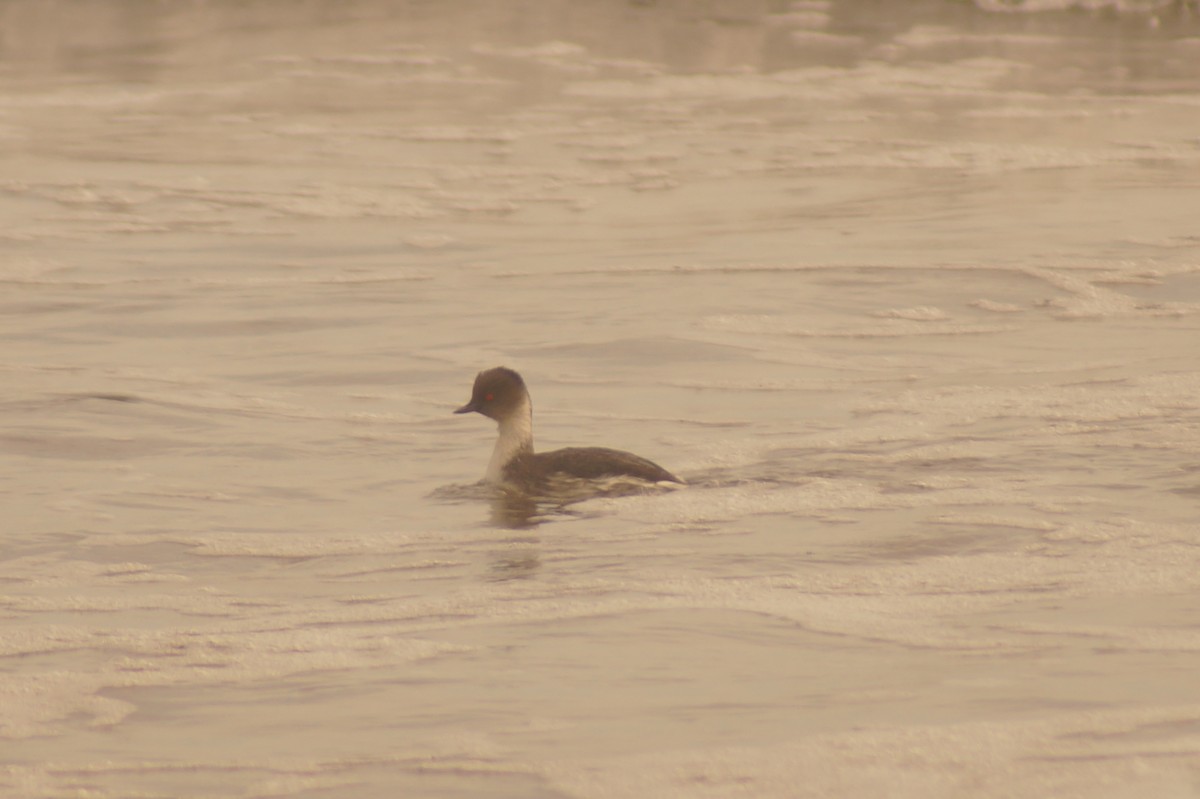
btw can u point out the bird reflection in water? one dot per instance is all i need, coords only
(515, 511)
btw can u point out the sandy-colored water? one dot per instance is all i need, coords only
(909, 292)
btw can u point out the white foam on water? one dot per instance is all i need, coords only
(995, 307)
(1044, 6)
(907, 323)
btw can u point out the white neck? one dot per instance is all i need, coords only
(516, 435)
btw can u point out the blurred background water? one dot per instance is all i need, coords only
(907, 292)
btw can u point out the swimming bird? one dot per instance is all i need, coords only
(500, 394)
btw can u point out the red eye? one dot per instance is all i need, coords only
(488, 397)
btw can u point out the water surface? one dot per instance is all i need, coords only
(908, 293)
